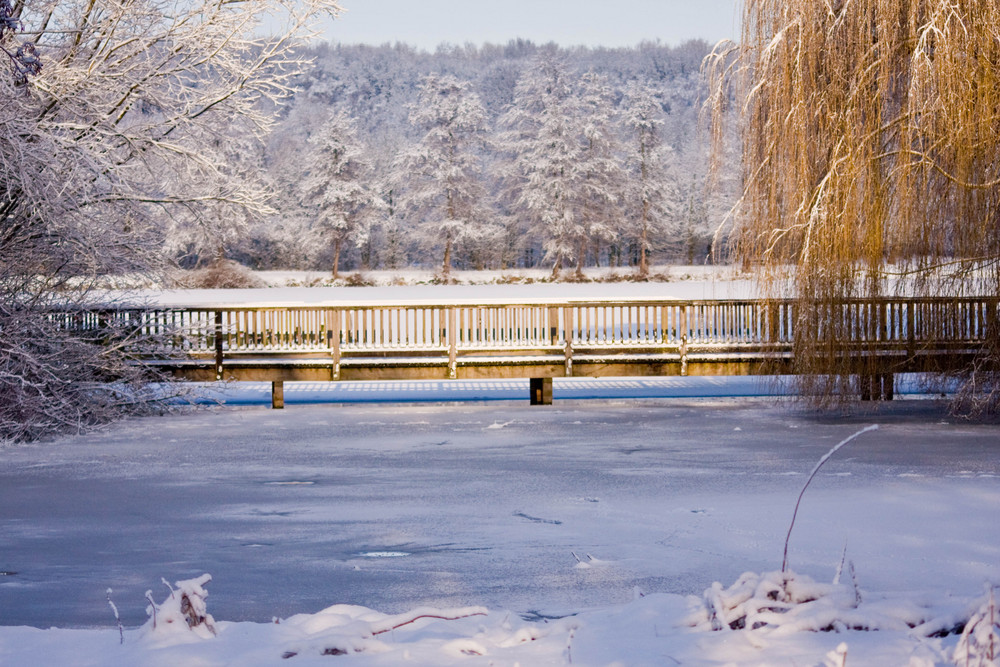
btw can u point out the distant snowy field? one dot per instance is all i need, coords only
(584, 533)
(301, 287)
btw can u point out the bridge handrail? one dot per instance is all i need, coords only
(462, 326)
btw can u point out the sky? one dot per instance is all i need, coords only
(428, 23)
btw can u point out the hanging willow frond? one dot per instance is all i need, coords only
(871, 134)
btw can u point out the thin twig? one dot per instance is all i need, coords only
(826, 457)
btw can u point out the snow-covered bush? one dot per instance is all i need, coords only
(796, 603)
(221, 274)
(782, 599)
(784, 603)
(979, 645)
(184, 610)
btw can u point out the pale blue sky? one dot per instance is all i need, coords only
(427, 23)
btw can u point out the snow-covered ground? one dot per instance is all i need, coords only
(566, 534)
(305, 288)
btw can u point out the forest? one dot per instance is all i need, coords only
(493, 156)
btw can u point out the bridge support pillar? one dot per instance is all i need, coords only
(877, 387)
(277, 395)
(541, 391)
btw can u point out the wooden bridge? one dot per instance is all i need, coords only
(546, 339)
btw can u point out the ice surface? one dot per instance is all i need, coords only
(286, 508)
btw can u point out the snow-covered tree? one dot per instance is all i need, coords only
(546, 177)
(337, 186)
(203, 232)
(652, 190)
(604, 178)
(112, 139)
(440, 178)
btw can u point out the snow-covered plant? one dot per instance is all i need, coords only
(782, 598)
(118, 620)
(979, 645)
(837, 657)
(184, 609)
(794, 602)
(24, 60)
(769, 600)
(604, 178)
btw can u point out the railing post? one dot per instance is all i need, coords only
(683, 331)
(991, 327)
(911, 334)
(773, 323)
(218, 345)
(568, 335)
(553, 326)
(334, 333)
(452, 343)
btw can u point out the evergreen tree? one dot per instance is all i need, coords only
(604, 178)
(652, 191)
(546, 175)
(441, 177)
(337, 186)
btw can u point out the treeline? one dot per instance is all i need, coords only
(481, 157)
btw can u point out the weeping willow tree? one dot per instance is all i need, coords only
(871, 165)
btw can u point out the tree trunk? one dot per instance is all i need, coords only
(336, 258)
(446, 265)
(643, 240)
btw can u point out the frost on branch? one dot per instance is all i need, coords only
(183, 610)
(24, 61)
(347, 629)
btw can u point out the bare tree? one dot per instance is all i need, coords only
(871, 160)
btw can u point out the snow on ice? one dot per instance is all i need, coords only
(587, 533)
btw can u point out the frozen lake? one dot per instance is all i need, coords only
(395, 506)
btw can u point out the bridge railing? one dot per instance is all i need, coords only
(428, 328)
(546, 327)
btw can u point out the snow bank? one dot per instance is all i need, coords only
(787, 619)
